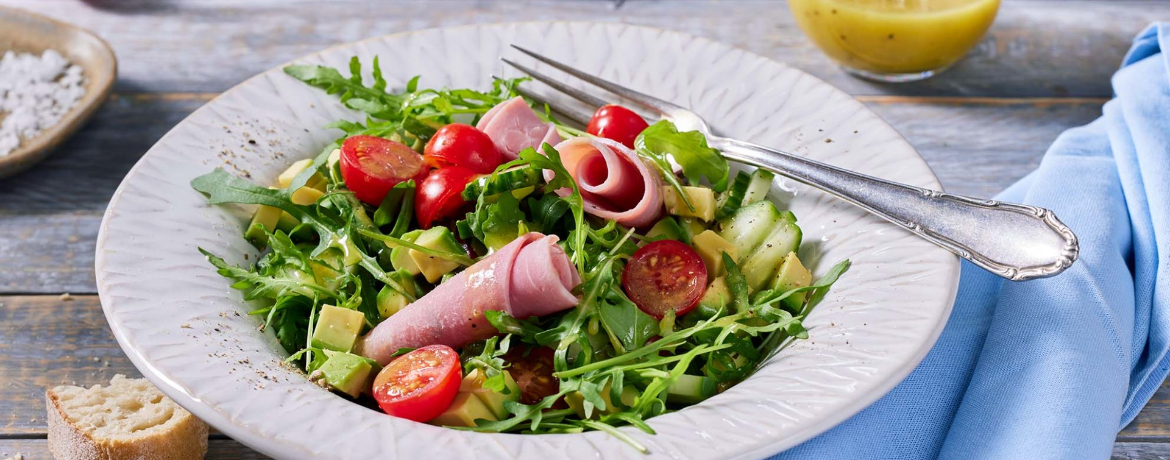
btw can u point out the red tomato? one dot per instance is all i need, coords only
(458, 144)
(665, 275)
(439, 195)
(617, 123)
(371, 166)
(533, 373)
(419, 385)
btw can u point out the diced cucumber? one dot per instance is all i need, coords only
(792, 275)
(439, 239)
(731, 200)
(400, 256)
(760, 266)
(748, 227)
(513, 179)
(702, 198)
(757, 190)
(690, 389)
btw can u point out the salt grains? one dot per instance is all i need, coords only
(35, 92)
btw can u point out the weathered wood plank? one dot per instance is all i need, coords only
(1141, 451)
(38, 449)
(50, 214)
(1044, 48)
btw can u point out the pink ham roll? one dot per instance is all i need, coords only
(530, 276)
(614, 182)
(513, 126)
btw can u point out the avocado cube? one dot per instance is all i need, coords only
(666, 228)
(792, 275)
(493, 400)
(702, 198)
(717, 296)
(390, 301)
(400, 256)
(463, 412)
(347, 373)
(337, 328)
(305, 196)
(711, 247)
(690, 389)
(264, 221)
(440, 239)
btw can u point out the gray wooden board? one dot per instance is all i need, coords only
(218, 448)
(1035, 48)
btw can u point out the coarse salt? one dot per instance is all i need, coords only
(35, 92)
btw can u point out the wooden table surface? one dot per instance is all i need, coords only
(1043, 68)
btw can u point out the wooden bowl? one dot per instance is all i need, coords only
(22, 31)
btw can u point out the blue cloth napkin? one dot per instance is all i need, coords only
(1052, 368)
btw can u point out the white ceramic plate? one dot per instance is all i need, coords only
(187, 331)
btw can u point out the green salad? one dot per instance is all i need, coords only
(463, 258)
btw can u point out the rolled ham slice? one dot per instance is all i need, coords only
(530, 276)
(614, 182)
(513, 127)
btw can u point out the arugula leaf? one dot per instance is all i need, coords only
(736, 283)
(397, 208)
(526, 330)
(768, 297)
(624, 320)
(498, 221)
(689, 149)
(256, 285)
(547, 211)
(491, 363)
(220, 187)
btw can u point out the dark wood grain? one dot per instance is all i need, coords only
(218, 448)
(1035, 48)
(1141, 451)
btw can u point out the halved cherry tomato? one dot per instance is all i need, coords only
(371, 166)
(665, 275)
(533, 373)
(617, 123)
(419, 385)
(439, 196)
(458, 144)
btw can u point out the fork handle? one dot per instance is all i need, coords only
(1017, 242)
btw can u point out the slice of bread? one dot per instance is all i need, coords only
(127, 419)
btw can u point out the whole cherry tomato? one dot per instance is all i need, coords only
(665, 275)
(439, 195)
(371, 166)
(458, 144)
(419, 385)
(618, 123)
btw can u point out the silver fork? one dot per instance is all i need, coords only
(1017, 242)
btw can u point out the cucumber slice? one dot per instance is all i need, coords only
(748, 227)
(505, 181)
(690, 389)
(757, 190)
(731, 200)
(761, 264)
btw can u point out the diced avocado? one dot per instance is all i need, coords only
(690, 389)
(305, 196)
(288, 224)
(717, 295)
(329, 268)
(400, 256)
(264, 221)
(792, 275)
(749, 226)
(576, 401)
(691, 227)
(499, 239)
(439, 239)
(337, 328)
(760, 266)
(464, 411)
(285, 179)
(711, 247)
(702, 198)
(390, 301)
(347, 373)
(494, 400)
(757, 190)
(666, 228)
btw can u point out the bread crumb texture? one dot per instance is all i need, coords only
(127, 419)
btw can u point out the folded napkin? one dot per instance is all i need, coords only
(1052, 368)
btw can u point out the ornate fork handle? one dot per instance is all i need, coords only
(1017, 242)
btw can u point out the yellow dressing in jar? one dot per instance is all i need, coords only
(895, 40)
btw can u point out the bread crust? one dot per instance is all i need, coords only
(187, 440)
